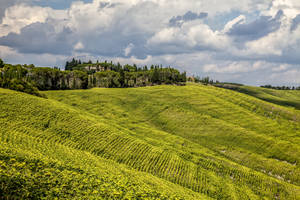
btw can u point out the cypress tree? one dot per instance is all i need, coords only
(1, 63)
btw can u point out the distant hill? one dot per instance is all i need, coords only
(160, 142)
(289, 98)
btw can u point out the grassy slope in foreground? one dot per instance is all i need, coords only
(178, 141)
(46, 152)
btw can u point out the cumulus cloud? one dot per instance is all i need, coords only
(128, 49)
(238, 67)
(255, 38)
(235, 22)
(291, 8)
(290, 77)
(21, 15)
(282, 45)
(296, 22)
(10, 55)
(4, 5)
(256, 29)
(40, 38)
(280, 68)
(192, 36)
(234, 67)
(78, 46)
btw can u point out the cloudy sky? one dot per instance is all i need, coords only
(247, 41)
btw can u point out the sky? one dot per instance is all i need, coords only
(254, 42)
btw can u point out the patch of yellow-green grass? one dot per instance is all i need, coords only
(189, 142)
(290, 98)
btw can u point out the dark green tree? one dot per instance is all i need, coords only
(1, 63)
(122, 78)
(135, 67)
(67, 66)
(183, 77)
(155, 76)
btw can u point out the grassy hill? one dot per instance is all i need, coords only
(162, 142)
(290, 98)
(282, 97)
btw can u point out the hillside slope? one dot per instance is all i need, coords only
(189, 142)
(282, 97)
(290, 98)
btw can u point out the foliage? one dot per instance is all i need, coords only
(1, 63)
(85, 75)
(205, 80)
(41, 179)
(22, 86)
(281, 87)
(54, 79)
(108, 79)
(128, 75)
(11, 78)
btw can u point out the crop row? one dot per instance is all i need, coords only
(165, 165)
(39, 128)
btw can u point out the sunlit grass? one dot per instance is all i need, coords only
(189, 142)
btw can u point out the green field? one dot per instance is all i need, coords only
(289, 98)
(160, 142)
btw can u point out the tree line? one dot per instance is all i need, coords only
(281, 87)
(80, 75)
(108, 74)
(204, 80)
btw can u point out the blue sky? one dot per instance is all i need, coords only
(253, 42)
(56, 4)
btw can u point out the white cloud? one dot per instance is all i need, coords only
(232, 67)
(290, 77)
(277, 43)
(78, 46)
(190, 36)
(6, 52)
(85, 18)
(21, 15)
(140, 31)
(282, 67)
(244, 67)
(9, 55)
(238, 20)
(128, 49)
(291, 8)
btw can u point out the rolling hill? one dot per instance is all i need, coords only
(282, 97)
(160, 142)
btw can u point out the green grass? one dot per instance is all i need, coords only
(162, 142)
(290, 98)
